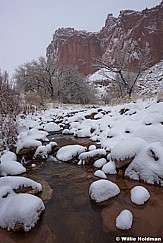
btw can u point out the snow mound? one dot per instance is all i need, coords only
(148, 165)
(139, 195)
(16, 182)
(11, 168)
(109, 168)
(100, 174)
(102, 190)
(92, 153)
(100, 162)
(124, 220)
(92, 147)
(27, 144)
(128, 148)
(151, 133)
(69, 152)
(8, 156)
(19, 209)
(51, 127)
(44, 150)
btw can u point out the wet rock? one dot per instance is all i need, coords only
(91, 116)
(122, 163)
(47, 191)
(27, 151)
(123, 111)
(25, 189)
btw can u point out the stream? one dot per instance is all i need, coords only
(70, 215)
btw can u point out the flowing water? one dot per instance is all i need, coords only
(70, 215)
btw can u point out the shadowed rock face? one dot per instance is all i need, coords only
(139, 30)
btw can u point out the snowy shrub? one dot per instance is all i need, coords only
(9, 108)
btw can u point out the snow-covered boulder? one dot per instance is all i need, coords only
(51, 127)
(139, 195)
(100, 162)
(124, 220)
(21, 184)
(33, 134)
(91, 156)
(8, 165)
(27, 147)
(44, 150)
(41, 152)
(11, 168)
(102, 190)
(109, 168)
(19, 211)
(100, 174)
(125, 151)
(8, 156)
(83, 133)
(92, 147)
(66, 131)
(69, 152)
(148, 165)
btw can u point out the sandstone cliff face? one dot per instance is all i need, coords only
(141, 32)
(75, 48)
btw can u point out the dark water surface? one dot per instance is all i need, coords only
(70, 216)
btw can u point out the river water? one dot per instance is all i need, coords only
(70, 215)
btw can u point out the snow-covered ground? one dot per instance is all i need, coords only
(129, 139)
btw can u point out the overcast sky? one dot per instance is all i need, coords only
(27, 26)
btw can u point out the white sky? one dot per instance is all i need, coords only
(27, 26)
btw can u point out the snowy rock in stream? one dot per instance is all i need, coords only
(109, 168)
(8, 165)
(27, 147)
(69, 152)
(19, 211)
(125, 151)
(11, 168)
(100, 162)
(100, 174)
(102, 190)
(91, 156)
(148, 165)
(124, 220)
(21, 184)
(139, 195)
(8, 156)
(44, 150)
(51, 127)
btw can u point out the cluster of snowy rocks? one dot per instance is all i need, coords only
(128, 138)
(20, 209)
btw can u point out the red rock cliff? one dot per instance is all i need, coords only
(138, 30)
(75, 48)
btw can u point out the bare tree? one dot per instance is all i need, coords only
(74, 87)
(126, 73)
(50, 81)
